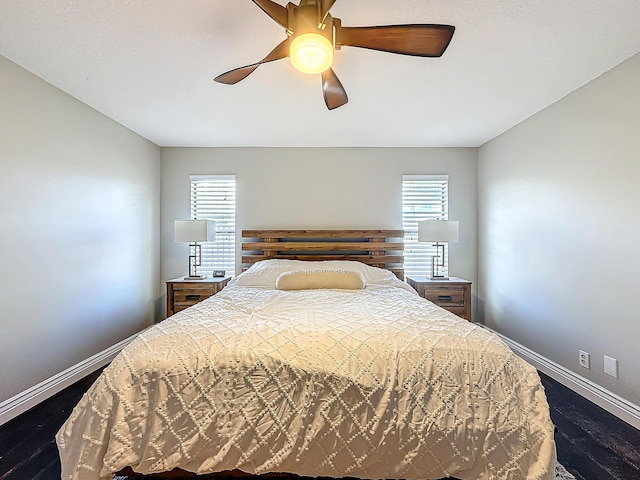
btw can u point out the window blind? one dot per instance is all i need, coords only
(423, 197)
(213, 197)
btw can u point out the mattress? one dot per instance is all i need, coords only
(368, 383)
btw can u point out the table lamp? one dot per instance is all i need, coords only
(440, 232)
(192, 232)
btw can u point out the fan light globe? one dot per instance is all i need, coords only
(311, 53)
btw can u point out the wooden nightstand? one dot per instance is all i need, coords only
(453, 294)
(183, 293)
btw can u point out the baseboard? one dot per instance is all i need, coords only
(612, 403)
(22, 402)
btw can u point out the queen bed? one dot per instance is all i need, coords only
(314, 367)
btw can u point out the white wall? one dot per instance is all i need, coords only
(559, 229)
(320, 188)
(79, 246)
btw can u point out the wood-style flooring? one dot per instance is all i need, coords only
(592, 444)
(28, 448)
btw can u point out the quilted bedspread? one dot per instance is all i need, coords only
(376, 383)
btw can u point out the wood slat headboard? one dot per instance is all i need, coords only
(378, 248)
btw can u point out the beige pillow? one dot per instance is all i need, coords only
(313, 279)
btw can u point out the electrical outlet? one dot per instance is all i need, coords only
(584, 359)
(611, 366)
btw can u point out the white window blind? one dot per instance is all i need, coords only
(423, 197)
(213, 197)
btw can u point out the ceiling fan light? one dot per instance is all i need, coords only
(311, 53)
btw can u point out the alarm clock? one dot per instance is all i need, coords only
(218, 273)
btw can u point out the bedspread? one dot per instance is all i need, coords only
(377, 383)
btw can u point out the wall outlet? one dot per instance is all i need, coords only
(584, 359)
(611, 366)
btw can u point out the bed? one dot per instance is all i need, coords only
(314, 367)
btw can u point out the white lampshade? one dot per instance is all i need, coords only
(194, 230)
(442, 231)
(311, 53)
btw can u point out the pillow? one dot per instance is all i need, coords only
(314, 279)
(264, 274)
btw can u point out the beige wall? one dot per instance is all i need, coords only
(559, 229)
(79, 247)
(320, 188)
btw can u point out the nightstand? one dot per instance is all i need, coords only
(183, 293)
(453, 294)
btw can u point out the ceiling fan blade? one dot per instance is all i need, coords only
(334, 94)
(277, 12)
(234, 76)
(421, 40)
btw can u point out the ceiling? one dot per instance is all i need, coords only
(149, 65)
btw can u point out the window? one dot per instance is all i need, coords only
(423, 197)
(213, 197)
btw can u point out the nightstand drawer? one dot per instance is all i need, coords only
(185, 297)
(453, 294)
(445, 296)
(459, 311)
(178, 307)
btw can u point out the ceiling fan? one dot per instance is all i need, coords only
(313, 35)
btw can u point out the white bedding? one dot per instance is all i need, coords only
(374, 383)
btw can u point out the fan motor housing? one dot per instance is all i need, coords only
(305, 18)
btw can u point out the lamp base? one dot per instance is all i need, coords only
(435, 277)
(435, 264)
(195, 277)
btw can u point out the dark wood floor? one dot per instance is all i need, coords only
(592, 444)
(27, 445)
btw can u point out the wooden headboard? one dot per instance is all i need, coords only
(379, 248)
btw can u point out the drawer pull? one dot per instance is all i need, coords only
(444, 298)
(192, 297)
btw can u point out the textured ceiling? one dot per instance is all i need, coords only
(149, 65)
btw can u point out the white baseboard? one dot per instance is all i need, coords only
(612, 403)
(22, 402)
